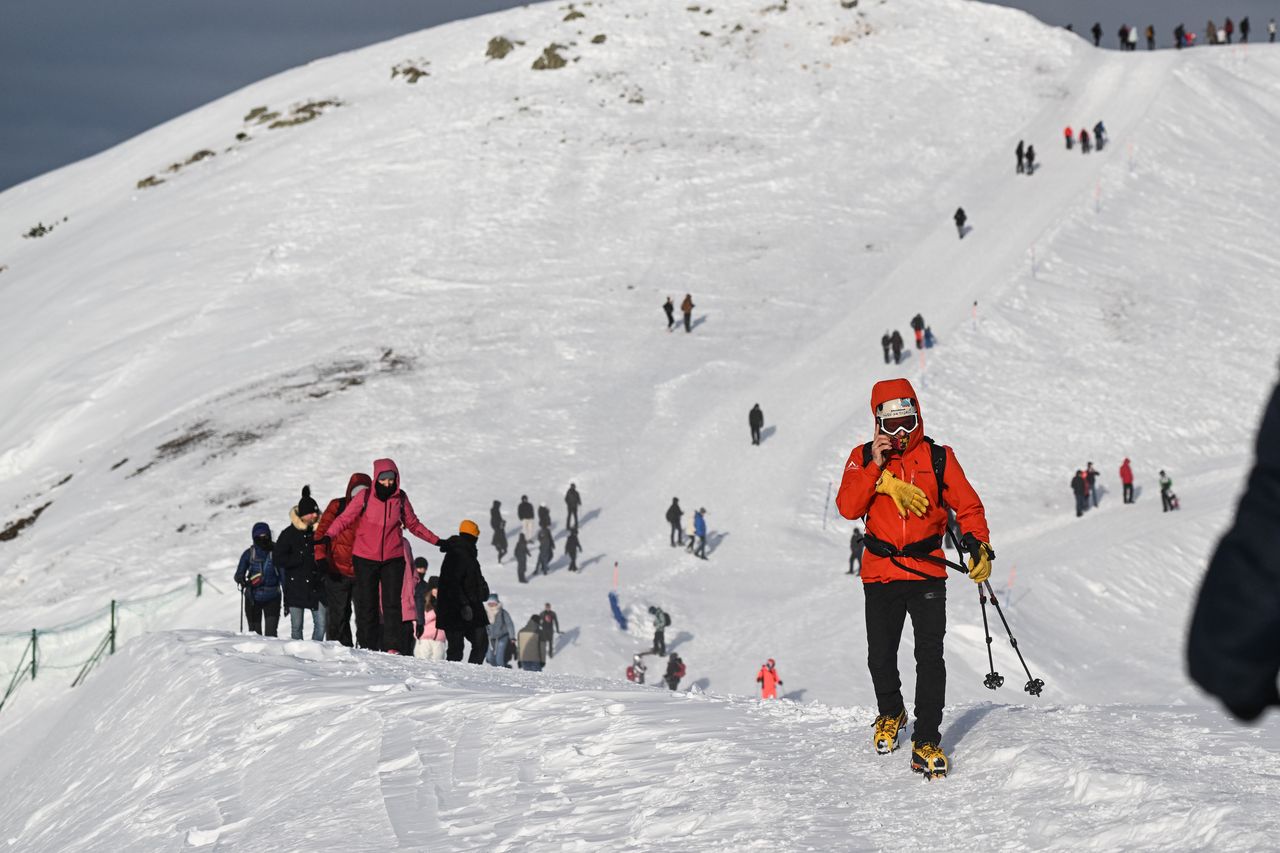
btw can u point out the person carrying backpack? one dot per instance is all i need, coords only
(529, 654)
(572, 548)
(501, 631)
(461, 595)
(769, 680)
(333, 558)
(686, 308)
(674, 514)
(700, 531)
(548, 628)
(917, 322)
(546, 550)
(259, 582)
(378, 552)
(660, 623)
(887, 482)
(675, 671)
(295, 556)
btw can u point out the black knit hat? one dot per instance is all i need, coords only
(306, 506)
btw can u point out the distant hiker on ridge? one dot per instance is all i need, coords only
(522, 557)
(895, 342)
(546, 550)
(572, 548)
(755, 420)
(1126, 480)
(524, 512)
(961, 218)
(686, 308)
(1031, 159)
(917, 326)
(1021, 154)
(548, 628)
(1069, 135)
(259, 582)
(1080, 488)
(499, 525)
(885, 343)
(670, 308)
(1091, 480)
(856, 546)
(572, 500)
(1096, 29)
(674, 514)
(769, 680)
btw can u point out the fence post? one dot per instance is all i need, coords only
(199, 585)
(34, 652)
(113, 626)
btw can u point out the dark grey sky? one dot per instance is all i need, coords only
(78, 76)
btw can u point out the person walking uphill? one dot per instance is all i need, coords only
(572, 500)
(378, 552)
(524, 512)
(522, 558)
(461, 595)
(755, 420)
(895, 343)
(1126, 480)
(768, 679)
(885, 343)
(686, 308)
(674, 514)
(502, 631)
(259, 580)
(499, 525)
(903, 484)
(669, 308)
(295, 555)
(961, 218)
(1080, 488)
(334, 561)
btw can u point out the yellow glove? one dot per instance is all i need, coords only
(980, 566)
(905, 496)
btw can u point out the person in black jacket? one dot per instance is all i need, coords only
(675, 671)
(572, 548)
(1080, 487)
(670, 308)
(674, 514)
(961, 218)
(1021, 153)
(544, 517)
(755, 419)
(1031, 159)
(546, 550)
(896, 343)
(856, 547)
(572, 500)
(295, 555)
(1096, 29)
(522, 557)
(885, 343)
(461, 595)
(499, 525)
(548, 627)
(1233, 647)
(524, 512)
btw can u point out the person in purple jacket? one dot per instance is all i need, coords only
(378, 554)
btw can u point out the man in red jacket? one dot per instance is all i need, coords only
(334, 562)
(902, 485)
(1126, 480)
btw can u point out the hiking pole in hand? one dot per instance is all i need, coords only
(994, 680)
(241, 603)
(1034, 686)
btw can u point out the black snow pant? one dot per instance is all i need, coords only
(897, 355)
(886, 355)
(1166, 503)
(887, 605)
(688, 322)
(660, 641)
(573, 561)
(755, 435)
(410, 638)
(701, 550)
(1128, 493)
(378, 580)
(571, 516)
(677, 534)
(477, 636)
(548, 643)
(522, 563)
(337, 595)
(855, 560)
(672, 682)
(1082, 504)
(255, 612)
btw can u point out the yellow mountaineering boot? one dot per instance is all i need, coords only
(886, 737)
(929, 759)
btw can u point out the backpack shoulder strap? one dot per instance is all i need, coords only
(939, 454)
(866, 454)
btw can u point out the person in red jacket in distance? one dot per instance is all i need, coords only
(894, 484)
(768, 679)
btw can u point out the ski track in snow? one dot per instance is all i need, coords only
(466, 274)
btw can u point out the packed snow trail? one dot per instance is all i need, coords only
(205, 740)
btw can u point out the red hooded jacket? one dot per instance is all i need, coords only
(857, 497)
(378, 523)
(1126, 473)
(335, 555)
(769, 681)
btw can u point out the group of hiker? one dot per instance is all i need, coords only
(694, 539)
(355, 558)
(1098, 141)
(1084, 485)
(1182, 37)
(675, 666)
(526, 515)
(891, 342)
(686, 309)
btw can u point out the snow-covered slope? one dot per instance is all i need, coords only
(226, 743)
(465, 273)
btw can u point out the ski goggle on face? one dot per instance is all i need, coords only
(899, 424)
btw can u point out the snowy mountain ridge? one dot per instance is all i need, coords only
(465, 273)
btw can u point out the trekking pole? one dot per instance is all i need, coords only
(241, 607)
(826, 506)
(1034, 686)
(993, 680)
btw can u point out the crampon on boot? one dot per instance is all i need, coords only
(885, 739)
(929, 759)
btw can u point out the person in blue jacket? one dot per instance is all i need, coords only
(259, 580)
(700, 530)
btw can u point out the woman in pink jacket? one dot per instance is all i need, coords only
(378, 555)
